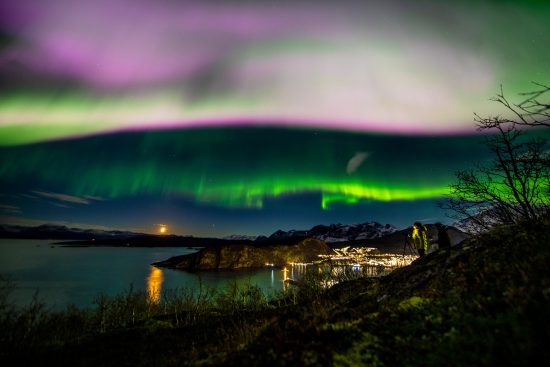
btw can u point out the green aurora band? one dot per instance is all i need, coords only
(241, 167)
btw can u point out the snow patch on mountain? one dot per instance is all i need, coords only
(238, 237)
(340, 232)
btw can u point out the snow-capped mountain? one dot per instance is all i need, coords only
(340, 232)
(238, 237)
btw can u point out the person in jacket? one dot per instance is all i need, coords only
(443, 238)
(420, 238)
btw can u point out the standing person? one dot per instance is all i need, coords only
(443, 239)
(420, 238)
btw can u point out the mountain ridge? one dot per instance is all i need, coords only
(328, 233)
(62, 232)
(340, 232)
(372, 234)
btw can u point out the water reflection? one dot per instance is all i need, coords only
(75, 278)
(336, 268)
(154, 284)
(285, 278)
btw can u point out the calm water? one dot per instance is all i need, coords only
(64, 275)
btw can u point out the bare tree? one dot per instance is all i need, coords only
(533, 110)
(515, 185)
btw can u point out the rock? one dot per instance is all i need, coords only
(241, 256)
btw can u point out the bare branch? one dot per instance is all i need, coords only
(515, 185)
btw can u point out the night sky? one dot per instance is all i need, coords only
(244, 117)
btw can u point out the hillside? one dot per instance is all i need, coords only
(241, 256)
(486, 302)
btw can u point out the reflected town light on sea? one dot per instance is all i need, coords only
(154, 284)
(285, 278)
(346, 263)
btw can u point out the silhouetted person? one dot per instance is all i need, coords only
(420, 238)
(443, 239)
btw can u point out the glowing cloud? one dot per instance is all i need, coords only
(62, 197)
(356, 161)
(10, 209)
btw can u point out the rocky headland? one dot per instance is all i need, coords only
(249, 255)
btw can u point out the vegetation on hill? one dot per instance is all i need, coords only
(484, 302)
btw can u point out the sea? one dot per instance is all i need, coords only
(61, 275)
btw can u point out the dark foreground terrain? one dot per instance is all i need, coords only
(485, 302)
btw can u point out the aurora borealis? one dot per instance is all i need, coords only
(249, 116)
(237, 168)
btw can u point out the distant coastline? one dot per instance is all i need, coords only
(386, 238)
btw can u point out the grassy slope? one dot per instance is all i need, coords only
(486, 302)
